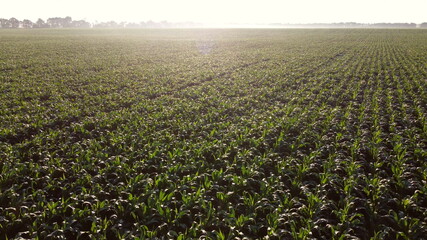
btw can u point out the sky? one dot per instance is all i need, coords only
(221, 11)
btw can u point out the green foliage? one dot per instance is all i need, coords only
(271, 134)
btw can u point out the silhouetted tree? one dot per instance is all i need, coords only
(66, 22)
(41, 24)
(110, 24)
(58, 22)
(27, 24)
(4, 23)
(80, 24)
(13, 23)
(423, 25)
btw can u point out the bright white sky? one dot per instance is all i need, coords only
(221, 11)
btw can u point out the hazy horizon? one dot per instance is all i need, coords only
(222, 12)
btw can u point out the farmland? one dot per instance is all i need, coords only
(213, 134)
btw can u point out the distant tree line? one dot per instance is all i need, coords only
(56, 22)
(352, 25)
(68, 22)
(148, 24)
